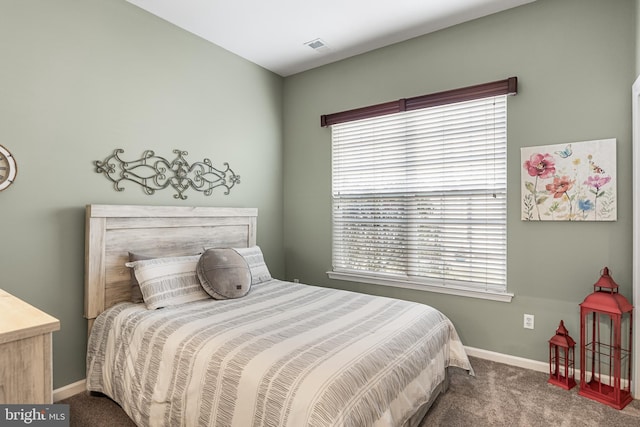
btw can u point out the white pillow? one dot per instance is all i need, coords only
(168, 281)
(259, 270)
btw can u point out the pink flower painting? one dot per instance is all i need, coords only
(541, 165)
(569, 182)
(559, 187)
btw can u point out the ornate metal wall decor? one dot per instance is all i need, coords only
(154, 173)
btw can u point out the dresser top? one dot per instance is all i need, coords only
(19, 320)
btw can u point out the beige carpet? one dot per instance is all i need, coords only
(499, 395)
(503, 395)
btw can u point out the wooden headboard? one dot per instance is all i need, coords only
(112, 231)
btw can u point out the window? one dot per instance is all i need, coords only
(419, 196)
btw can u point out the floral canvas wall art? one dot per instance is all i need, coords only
(569, 182)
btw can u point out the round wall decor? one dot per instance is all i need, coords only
(8, 168)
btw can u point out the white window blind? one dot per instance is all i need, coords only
(419, 197)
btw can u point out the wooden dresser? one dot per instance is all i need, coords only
(25, 352)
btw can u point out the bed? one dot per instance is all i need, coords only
(283, 354)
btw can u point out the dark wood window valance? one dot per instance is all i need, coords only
(502, 87)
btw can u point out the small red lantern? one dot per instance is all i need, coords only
(562, 359)
(606, 319)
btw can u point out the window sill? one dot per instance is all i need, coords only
(397, 283)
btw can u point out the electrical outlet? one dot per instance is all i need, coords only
(528, 321)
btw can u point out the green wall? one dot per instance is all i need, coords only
(79, 78)
(637, 51)
(575, 63)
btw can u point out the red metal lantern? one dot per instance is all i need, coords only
(562, 359)
(606, 318)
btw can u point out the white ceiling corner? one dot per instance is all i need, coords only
(273, 34)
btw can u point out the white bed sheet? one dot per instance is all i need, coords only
(287, 354)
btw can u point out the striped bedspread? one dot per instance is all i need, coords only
(286, 354)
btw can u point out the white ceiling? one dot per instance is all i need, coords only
(273, 33)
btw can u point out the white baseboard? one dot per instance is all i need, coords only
(507, 359)
(69, 390)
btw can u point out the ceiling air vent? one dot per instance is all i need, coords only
(318, 45)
